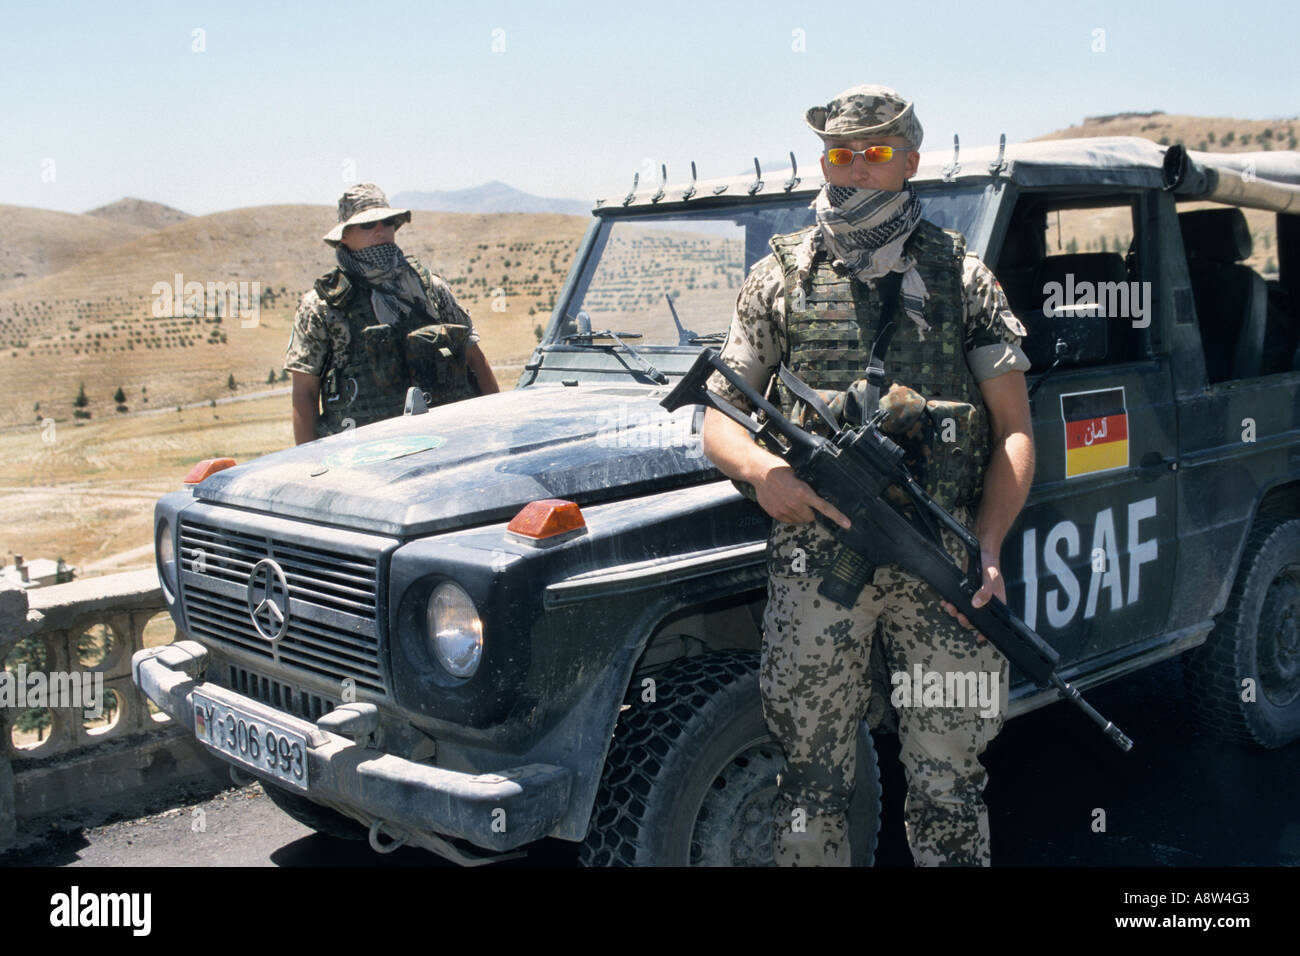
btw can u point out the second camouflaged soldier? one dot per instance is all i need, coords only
(818, 304)
(376, 325)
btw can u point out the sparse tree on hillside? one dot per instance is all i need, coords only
(230, 382)
(81, 400)
(284, 375)
(119, 396)
(1228, 137)
(270, 376)
(1210, 136)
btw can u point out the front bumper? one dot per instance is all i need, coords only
(497, 811)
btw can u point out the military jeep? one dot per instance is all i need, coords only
(537, 614)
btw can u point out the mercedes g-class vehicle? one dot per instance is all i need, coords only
(537, 613)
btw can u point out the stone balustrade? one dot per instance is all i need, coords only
(64, 766)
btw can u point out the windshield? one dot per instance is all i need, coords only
(700, 258)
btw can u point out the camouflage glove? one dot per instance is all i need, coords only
(904, 412)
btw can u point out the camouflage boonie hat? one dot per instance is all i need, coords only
(865, 112)
(364, 202)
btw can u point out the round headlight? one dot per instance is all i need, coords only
(455, 630)
(166, 552)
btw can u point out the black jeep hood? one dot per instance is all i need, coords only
(476, 461)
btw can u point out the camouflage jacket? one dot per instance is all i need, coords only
(760, 338)
(331, 339)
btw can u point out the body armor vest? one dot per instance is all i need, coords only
(367, 381)
(832, 320)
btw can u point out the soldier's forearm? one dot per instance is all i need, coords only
(478, 364)
(728, 446)
(1006, 487)
(306, 407)
(304, 425)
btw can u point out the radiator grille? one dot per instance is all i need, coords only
(332, 609)
(278, 694)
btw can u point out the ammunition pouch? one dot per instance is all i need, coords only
(384, 352)
(436, 355)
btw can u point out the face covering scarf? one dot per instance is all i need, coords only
(394, 286)
(864, 230)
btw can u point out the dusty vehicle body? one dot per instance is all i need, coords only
(612, 696)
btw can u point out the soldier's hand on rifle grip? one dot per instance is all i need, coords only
(786, 498)
(994, 585)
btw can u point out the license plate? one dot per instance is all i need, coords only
(256, 742)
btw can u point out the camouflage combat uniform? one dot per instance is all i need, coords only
(335, 320)
(797, 307)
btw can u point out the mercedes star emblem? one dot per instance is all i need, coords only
(268, 599)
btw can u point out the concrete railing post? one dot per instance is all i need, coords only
(13, 618)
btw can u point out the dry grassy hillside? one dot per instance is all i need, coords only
(1207, 134)
(37, 242)
(96, 323)
(140, 212)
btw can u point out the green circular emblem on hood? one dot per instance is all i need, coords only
(386, 449)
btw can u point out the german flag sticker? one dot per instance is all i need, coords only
(1096, 431)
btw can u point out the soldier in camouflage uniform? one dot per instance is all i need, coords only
(958, 404)
(376, 325)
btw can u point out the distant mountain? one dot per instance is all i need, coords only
(488, 198)
(140, 212)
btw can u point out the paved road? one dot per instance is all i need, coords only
(1179, 798)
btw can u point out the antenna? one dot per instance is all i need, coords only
(999, 164)
(663, 180)
(952, 169)
(690, 190)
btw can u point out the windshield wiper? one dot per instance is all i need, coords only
(684, 335)
(656, 376)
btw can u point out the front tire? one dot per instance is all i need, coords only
(691, 775)
(1244, 681)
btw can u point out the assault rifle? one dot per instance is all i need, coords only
(851, 470)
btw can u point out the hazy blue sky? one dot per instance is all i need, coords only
(285, 100)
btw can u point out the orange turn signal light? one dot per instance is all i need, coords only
(208, 466)
(547, 518)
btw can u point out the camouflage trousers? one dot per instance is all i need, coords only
(815, 683)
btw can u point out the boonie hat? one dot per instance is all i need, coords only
(867, 111)
(364, 202)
